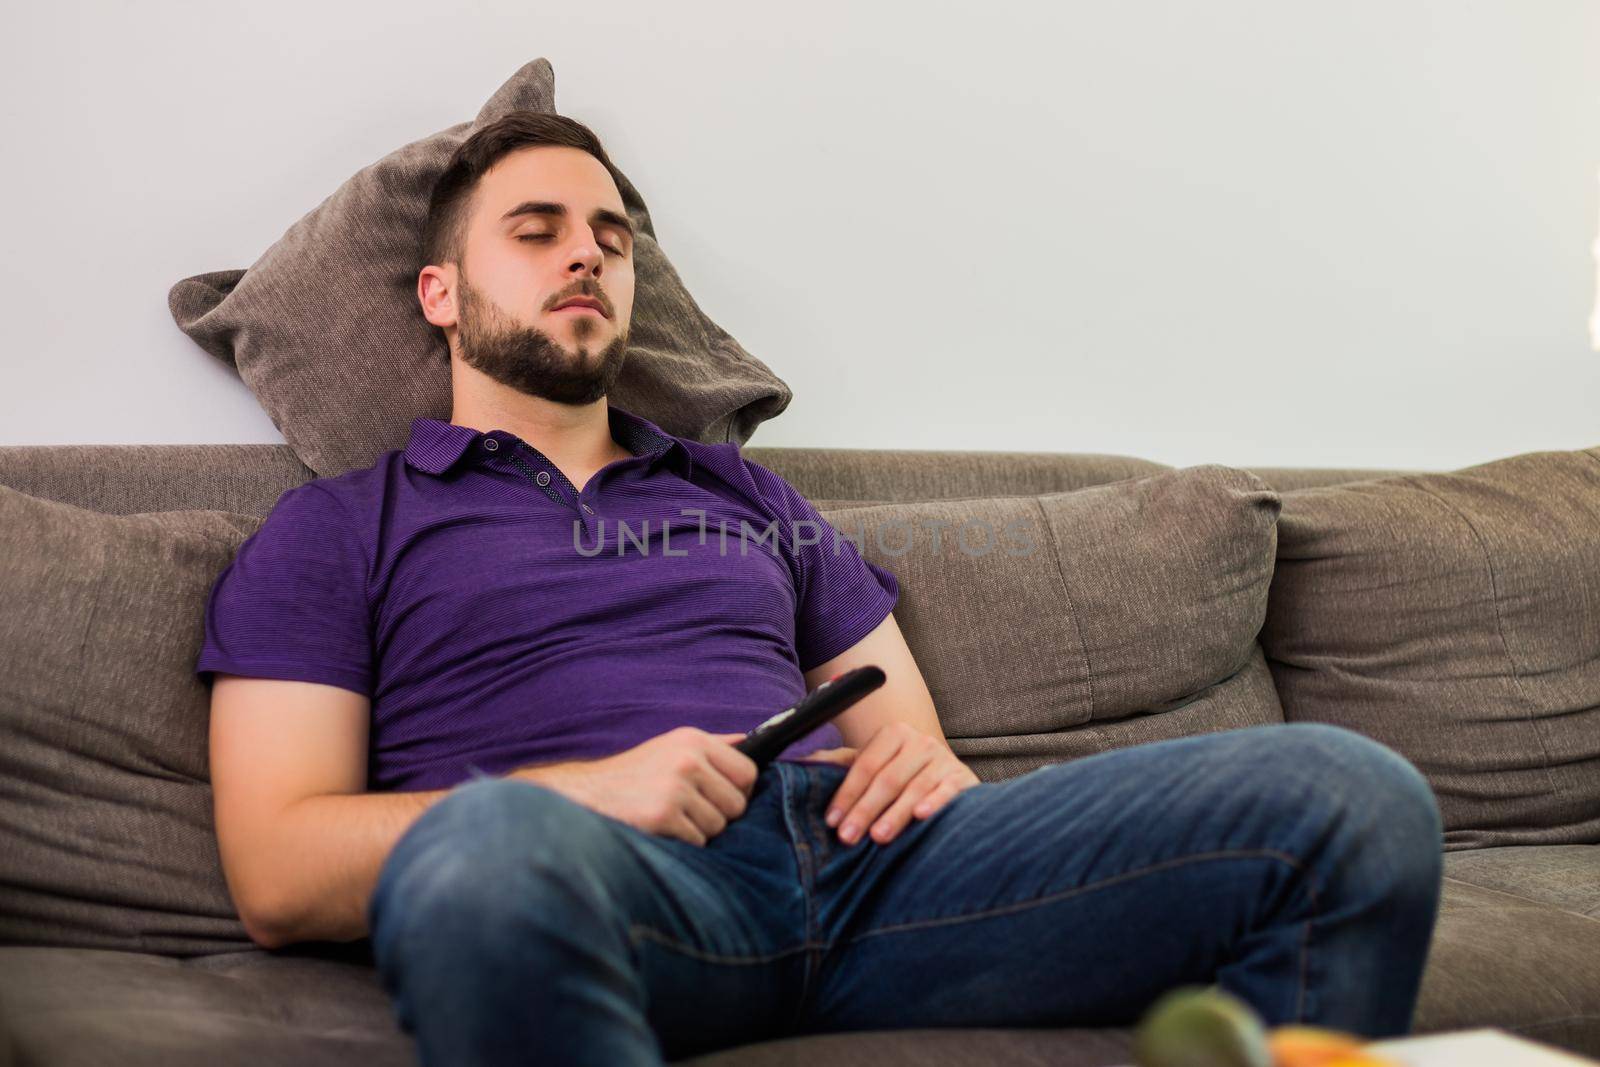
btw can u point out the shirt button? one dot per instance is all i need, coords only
(543, 478)
(587, 508)
(490, 444)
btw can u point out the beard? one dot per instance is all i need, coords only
(531, 361)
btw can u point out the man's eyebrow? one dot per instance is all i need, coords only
(548, 207)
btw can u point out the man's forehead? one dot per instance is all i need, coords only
(535, 176)
(528, 201)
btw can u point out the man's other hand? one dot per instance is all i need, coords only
(901, 773)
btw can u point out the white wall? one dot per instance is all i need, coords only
(1278, 232)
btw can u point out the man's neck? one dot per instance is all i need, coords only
(577, 439)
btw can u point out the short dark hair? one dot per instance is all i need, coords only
(444, 232)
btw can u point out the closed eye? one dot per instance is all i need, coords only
(551, 237)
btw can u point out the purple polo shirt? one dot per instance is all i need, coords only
(495, 615)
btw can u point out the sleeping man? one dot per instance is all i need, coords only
(478, 702)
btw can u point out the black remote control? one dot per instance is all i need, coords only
(817, 707)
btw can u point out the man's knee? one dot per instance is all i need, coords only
(489, 820)
(477, 855)
(1370, 772)
(1377, 793)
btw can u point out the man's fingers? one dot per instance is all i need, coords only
(887, 785)
(863, 769)
(733, 764)
(936, 797)
(705, 815)
(926, 783)
(728, 797)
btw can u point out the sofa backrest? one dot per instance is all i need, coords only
(249, 478)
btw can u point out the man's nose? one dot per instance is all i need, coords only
(586, 255)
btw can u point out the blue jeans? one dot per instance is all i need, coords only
(1296, 865)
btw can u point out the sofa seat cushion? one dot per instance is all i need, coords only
(1563, 876)
(1500, 959)
(86, 1006)
(90, 1006)
(1455, 617)
(1060, 625)
(972, 1047)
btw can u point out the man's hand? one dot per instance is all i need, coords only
(902, 770)
(685, 783)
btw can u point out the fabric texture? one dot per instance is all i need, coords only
(497, 615)
(1456, 617)
(326, 330)
(106, 834)
(906, 475)
(1137, 602)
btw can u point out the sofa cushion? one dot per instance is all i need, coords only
(292, 1007)
(904, 475)
(1564, 876)
(1508, 962)
(1094, 619)
(285, 1009)
(326, 330)
(1455, 617)
(106, 834)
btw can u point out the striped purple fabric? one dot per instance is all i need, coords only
(498, 616)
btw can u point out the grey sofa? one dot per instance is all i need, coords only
(1517, 945)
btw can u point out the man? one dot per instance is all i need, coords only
(458, 710)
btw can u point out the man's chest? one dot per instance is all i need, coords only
(546, 580)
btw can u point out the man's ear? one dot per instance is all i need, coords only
(436, 292)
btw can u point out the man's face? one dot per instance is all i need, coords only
(521, 262)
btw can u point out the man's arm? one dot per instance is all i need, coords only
(301, 840)
(903, 767)
(903, 697)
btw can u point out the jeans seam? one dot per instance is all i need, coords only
(803, 860)
(643, 931)
(818, 830)
(1305, 937)
(1305, 962)
(640, 931)
(819, 835)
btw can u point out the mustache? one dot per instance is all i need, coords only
(586, 290)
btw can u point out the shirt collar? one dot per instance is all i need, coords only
(436, 446)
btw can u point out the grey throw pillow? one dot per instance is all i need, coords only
(1060, 625)
(325, 328)
(1456, 618)
(106, 832)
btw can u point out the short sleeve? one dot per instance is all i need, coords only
(842, 597)
(292, 604)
